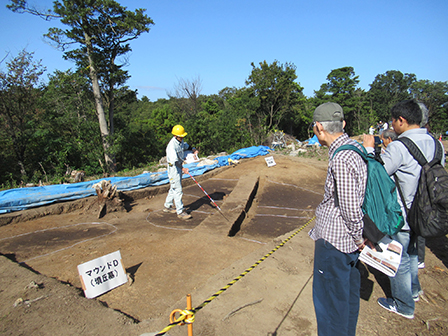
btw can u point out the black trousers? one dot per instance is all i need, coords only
(421, 249)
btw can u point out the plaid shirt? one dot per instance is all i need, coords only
(341, 226)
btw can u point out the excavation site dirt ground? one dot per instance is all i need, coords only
(167, 258)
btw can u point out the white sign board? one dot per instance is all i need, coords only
(102, 274)
(270, 161)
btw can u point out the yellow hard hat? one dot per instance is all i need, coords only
(179, 131)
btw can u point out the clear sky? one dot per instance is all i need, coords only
(218, 40)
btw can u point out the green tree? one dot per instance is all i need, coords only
(102, 30)
(435, 96)
(277, 92)
(362, 118)
(20, 90)
(69, 136)
(388, 89)
(144, 130)
(340, 88)
(243, 105)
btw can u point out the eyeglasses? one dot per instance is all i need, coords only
(311, 128)
(313, 124)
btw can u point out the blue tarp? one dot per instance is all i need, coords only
(313, 140)
(25, 198)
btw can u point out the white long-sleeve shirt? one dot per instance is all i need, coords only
(397, 160)
(175, 152)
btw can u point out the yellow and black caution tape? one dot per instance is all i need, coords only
(185, 316)
(188, 316)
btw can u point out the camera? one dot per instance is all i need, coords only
(377, 146)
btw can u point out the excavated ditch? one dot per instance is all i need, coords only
(164, 256)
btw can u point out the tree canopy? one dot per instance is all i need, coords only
(276, 91)
(89, 119)
(99, 32)
(20, 111)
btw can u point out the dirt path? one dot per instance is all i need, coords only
(167, 259)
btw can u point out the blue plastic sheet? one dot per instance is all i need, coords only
(313, 140)
(25, 198)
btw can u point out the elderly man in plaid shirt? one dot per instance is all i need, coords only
(338, 228)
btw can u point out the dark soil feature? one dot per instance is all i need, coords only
(47, 240)
(281, 208)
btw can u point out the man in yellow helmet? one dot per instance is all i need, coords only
(175, 158)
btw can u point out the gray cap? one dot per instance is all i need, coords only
(328, 112)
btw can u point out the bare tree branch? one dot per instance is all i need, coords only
(21, 6)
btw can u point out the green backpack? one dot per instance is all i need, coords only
(380, 204)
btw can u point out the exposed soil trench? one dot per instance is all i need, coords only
(167, 258)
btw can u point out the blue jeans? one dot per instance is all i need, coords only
(336, 290)
(175, 193)
(405, 284)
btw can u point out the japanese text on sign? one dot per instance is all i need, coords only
(270, 161)
(102, 274)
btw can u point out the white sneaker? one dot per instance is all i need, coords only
(169, 210)
(417, 298)
(421, 264)
(184, 215)
(390, 305)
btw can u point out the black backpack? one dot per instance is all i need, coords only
(428, 215)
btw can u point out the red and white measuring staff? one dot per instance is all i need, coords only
(216, 205)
